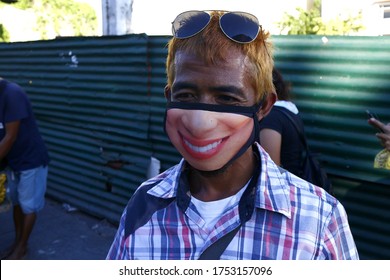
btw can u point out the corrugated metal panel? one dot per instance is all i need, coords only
(163, 150)
(334, 80)
(91, 99)
(102, 99)
(367, 205)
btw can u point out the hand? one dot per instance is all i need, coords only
(384, 136)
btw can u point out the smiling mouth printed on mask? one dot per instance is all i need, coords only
(248, 111)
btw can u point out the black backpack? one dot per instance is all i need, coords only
(312, 170)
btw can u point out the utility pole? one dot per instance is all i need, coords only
(117, 16)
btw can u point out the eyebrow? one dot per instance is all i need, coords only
(232, 89)
(181, 85)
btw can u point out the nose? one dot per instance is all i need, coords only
(199, 122)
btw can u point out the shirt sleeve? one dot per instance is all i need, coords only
(272, 121)
(17, 104)
(338, 241)
(118, 248)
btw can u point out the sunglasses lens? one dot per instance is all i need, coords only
(240, 27)
(188, 24)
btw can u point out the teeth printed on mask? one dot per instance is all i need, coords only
(203, 149)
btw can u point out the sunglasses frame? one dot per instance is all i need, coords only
(248, 15)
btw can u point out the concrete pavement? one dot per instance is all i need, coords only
(62, 233)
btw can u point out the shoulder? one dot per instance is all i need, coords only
(284, 190)
(11, 86)
(276, 111)
(305, 189)
(13, 90)
(162, 186)
(273, 120)
(153, 195)
(310, 200)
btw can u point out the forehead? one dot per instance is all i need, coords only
(233, 65)
(229, 57)
(228, 75)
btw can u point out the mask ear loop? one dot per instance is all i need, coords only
(257, 122)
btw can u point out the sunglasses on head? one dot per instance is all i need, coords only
(239, 27)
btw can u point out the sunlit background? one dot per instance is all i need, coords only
(154, 17)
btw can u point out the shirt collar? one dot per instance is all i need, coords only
(273, 187)
(272, 191)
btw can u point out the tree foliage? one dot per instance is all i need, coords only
(4, 35)
(55, 18)
(64, 17)
(310, 22)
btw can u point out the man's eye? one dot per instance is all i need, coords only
(183, 97)
(228, 99)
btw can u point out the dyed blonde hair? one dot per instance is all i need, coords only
(213, 46)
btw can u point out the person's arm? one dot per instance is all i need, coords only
(384, 136)
(11, 133)
(271, 141)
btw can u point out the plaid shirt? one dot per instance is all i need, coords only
(292, 219)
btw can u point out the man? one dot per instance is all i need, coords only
(25, 152)
(226, 199)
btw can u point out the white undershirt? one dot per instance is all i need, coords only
(288, 105)
(211, 211)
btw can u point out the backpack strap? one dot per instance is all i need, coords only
(326, 184)
(298, 129)
(246, 208)
(215, 251)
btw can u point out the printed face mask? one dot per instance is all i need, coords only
(210, 137)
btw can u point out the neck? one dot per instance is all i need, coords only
(215, 185)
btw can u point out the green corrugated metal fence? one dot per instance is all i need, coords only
(334, 83)
(100, 106)
(91, 98)
(334, 80)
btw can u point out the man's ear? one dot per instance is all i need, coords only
(167, 93)
(267, 104)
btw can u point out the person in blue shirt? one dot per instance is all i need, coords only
(25, 152)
